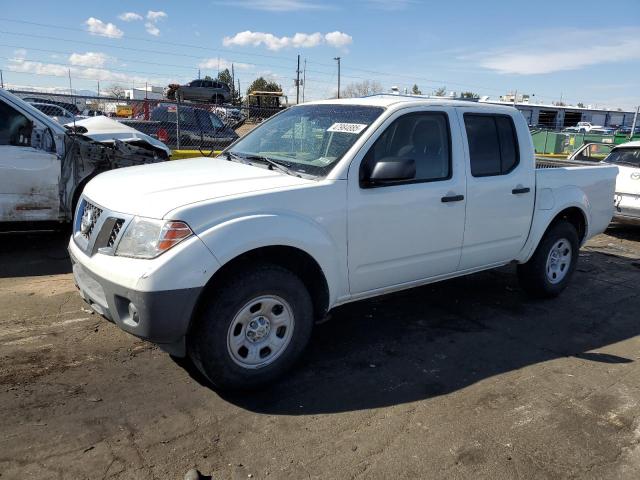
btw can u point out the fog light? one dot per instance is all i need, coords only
(133, 313)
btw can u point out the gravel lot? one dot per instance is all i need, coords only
(462, 379)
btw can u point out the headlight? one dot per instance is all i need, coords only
(148, 238)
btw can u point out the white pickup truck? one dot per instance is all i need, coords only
(44, 165)
(231, 260)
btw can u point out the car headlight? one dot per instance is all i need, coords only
(148, 237)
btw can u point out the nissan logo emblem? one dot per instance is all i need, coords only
(87, 221)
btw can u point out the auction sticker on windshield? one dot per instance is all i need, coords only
(354, 128)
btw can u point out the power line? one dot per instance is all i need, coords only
(143, 39)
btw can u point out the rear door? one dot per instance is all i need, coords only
(500, 187)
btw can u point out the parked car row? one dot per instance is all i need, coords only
(198, 127)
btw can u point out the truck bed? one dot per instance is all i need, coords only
(568, 180)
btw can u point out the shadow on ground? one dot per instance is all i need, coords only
(444, 337)
(34, 254)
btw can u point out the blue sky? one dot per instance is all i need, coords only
(580, 51)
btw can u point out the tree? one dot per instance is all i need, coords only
(580, 104)
(208, 77)
(361, 89)
(225, 77)
(116, 91)
(260, 84)
(469, 95)
(415, 90)
(440, 92)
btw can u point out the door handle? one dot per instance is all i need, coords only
(452, 198)
(518, 191)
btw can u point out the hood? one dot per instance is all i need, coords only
(103, 129)
(156, 189)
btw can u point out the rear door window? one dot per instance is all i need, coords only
(493, 145)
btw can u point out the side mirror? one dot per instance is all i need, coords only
(391, 170)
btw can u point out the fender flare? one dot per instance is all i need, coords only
(549, 204)
(276, 229)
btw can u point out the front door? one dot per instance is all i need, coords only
(408, 231)
(29, 177)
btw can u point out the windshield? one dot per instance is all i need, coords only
(309, 139)
(625, 156)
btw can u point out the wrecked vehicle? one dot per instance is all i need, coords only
(44, 165)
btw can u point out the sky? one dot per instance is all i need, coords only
(562, 50)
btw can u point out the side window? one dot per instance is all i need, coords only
(493, 145)
(422, 137)
(215, 121)
(15, 128)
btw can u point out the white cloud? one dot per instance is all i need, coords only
(21, 65)
(98, 27)
(338, 39)
(154, 16)
(20, 53)
(277, 5)
(130, 16)
(152, 29)
(88, 59)
(566, 50)
(299, 40)
(212, 63)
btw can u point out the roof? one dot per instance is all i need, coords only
(387, 100)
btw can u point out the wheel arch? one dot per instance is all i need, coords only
(574, 213)
(292, 258)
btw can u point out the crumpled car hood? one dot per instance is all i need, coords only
(103, 129)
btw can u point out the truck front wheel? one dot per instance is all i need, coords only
(550, 268)
(252, 328)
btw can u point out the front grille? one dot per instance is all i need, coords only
(115, 230)
(90, 216)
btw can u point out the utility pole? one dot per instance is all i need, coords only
(98, 88)
(298, 82)
(1, 80)
(304, 78)
(338, 60)
(233, 84)
(635, 122)
(198, 74)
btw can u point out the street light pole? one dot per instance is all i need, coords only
(338, 60)
(298, 82)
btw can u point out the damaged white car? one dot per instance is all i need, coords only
(44, 165)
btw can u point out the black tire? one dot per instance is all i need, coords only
(533, 274)
(207, 340)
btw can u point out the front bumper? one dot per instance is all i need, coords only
(161, 317)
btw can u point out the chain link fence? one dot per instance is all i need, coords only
(203, 126)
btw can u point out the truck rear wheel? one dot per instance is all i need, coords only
(253, 328)
(549, 270)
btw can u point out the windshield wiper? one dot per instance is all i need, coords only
(283, 167)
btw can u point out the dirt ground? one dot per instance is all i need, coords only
(463, 379)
